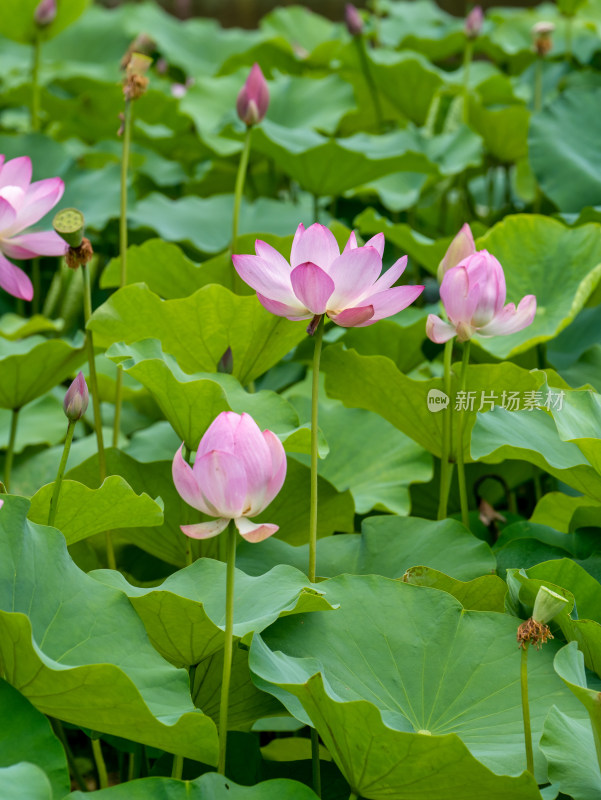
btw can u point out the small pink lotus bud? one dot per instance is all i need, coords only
(77, 398)
(353, 20)
(45, 13)
(253, 100)
(473, 22)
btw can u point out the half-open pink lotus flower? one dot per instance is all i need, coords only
(320, 280)
(461, 247)
(474, 296)
(23, 203)
(238, 471)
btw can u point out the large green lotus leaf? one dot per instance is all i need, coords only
(209, 786)
(17, 19)
(163, 266)
(379, 475)
(397, 191)
(579, 620)
(197, 330)
(205, 222)
(578, 421)
(325, 166)
(486, 593)
(185, 615)
(83, 512)
(562, 149)
(191, 402)
(541, 256)
(504, 130)
(25, 780)
(40, 422)
(569, 665)
(32, 366)
(388, 546)
(564, 512)
(532, 436)
(569, 747)
(300, 25)
(12, 326)
(423, 26)
(399, 338)
(289, 510)
(436, 680)
(576, 350)
(26, 735)
(375, 383)
(79, 652)
(406, 82)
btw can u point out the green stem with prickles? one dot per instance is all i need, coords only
(8, 460)
(228, 646)
(460, 426)
(59, 475)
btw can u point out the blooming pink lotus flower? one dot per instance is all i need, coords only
(23, 203)
(320, 280)
(461, 247)
(474, 295)
(237, 472)
(253, 99)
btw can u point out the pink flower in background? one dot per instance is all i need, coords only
(474, 296)
(253, 99)
(237, 472)
(320, 280)
(23, 203)
(474, 22)
(461, 247)
(353, 20)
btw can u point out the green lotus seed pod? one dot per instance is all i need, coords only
(547, 605)
(69, 224)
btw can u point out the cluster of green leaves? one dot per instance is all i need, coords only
(403, 655)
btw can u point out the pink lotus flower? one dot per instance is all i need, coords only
(353, 20)
(23, 203)
(474, 295)
(474, 22)
(319, 280)
(237, 473)
(253, 99)
(76, 399)
(461, 247)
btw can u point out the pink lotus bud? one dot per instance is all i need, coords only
(253, 100)
(353, 20)
(77, 398)
(45, 13)
(474, 296)
(320, 280)
(461, 247)
(237, 472)
(473, 22)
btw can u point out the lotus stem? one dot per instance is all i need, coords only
(239, 190)
(103, 779)
(178, 767)
(8, 461)
(228, 646)
(538, 84)
(314, 451)
(446, 468)
(569, 27)
(467, 62)
(465, 518)
(35, 85)
(365, 68)
(127, 125)
(526, 709)
(57, 727)
(353, 796)
(59, 475)
(315, 765)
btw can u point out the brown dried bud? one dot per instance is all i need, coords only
(542, 34)
(141, 44)
(534, 633)
(135, 82)
(79, 256)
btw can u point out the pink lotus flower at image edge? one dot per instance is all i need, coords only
(23, 203)
(238, 471)
(320, 280)
(474, 294)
